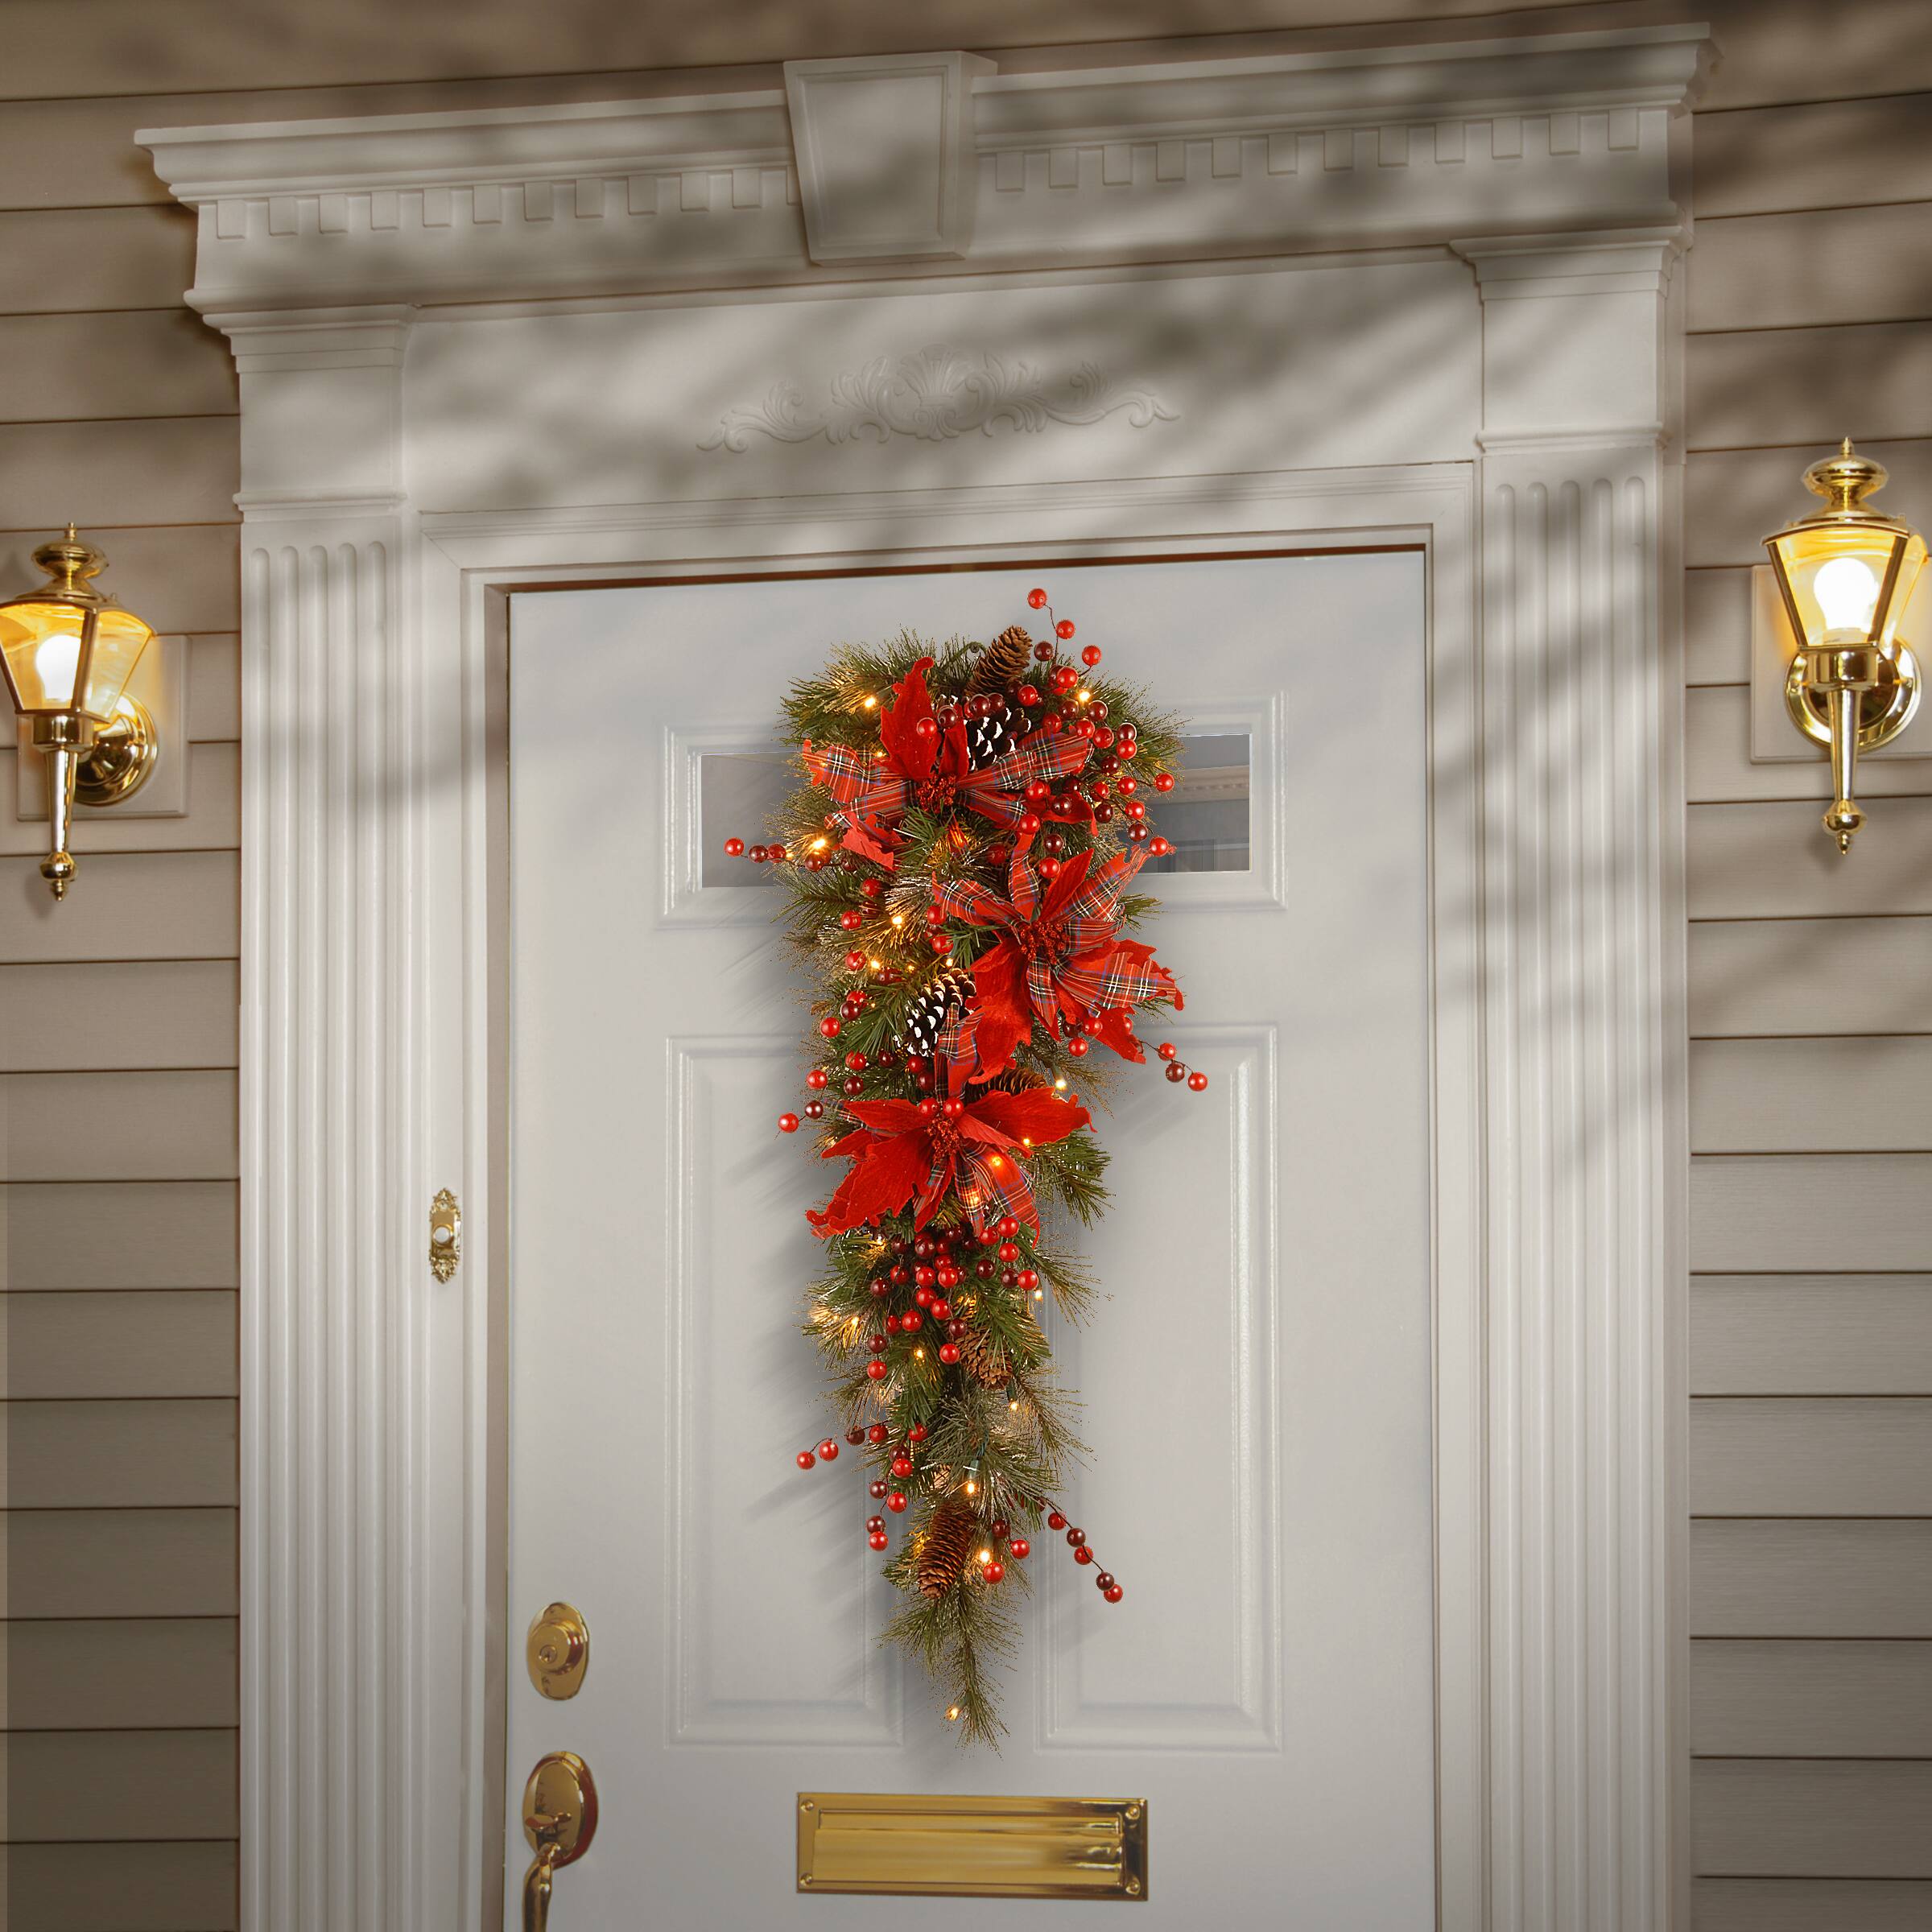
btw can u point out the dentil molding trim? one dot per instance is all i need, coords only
(915, 165)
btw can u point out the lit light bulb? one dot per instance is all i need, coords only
(1086, 697)
(972, 1488)
(1061, 1085)
(872, 704)
(952, 1714)
(1847, 593)
(985, 1556)
(57, 659)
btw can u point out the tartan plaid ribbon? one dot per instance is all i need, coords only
(920, 761)
(1059, 952)
(872, 795)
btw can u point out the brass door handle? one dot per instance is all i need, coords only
(559, 1820)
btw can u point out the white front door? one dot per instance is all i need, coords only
(1256, 1376)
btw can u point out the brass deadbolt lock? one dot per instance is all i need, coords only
(557, 1651)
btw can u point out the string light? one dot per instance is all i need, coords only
(1086, 697)
(819, 843)
(898, 919)
(972, 1488)
(872, 704)
(985, 1556)
(952, 1714)
(1061, 1085)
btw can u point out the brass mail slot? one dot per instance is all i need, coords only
(973, 1848)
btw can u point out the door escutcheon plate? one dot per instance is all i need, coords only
(556, 1651)
(973, 1848)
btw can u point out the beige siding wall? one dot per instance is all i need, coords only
(1810, 289)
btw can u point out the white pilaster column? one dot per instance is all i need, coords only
(1583, 935)
(333, 1227)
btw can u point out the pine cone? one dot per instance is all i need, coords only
(944, 995)
(947, 1544)
(988, 739)
(1002, 663)
(992, 1367)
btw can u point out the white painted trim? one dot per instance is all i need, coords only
(1556, 821)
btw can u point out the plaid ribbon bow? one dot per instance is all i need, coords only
(1059, 953)
(931, 767)
(906, 1150)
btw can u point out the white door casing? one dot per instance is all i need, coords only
(1426, 291)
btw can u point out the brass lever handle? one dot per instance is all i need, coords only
(559, 1820)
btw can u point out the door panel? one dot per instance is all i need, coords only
(1256, 1374)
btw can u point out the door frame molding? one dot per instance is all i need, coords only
(333, 255)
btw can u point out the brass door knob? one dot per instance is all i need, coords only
(559, 1820)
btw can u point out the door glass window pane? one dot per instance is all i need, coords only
(1205, 817)
(739, 793)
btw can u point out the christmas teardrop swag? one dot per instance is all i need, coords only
(958, 869)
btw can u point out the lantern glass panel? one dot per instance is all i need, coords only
(1835, 573)
(42, 646)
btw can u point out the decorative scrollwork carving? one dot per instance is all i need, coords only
(934, 395)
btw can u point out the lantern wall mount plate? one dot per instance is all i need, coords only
(68, 650)
(1844, 576)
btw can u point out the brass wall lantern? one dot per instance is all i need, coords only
(1845, 575)
(68, 650)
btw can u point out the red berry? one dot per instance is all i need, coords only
(1065, 677)
(911, 1320)
(877, 1344)
(901, 1466)
(1028, 694)
(1114, 1593)
(1166, 1050)
(916, 1433)
(1021, 1548)
(1198, 1082)
(828, 1450)
(806, 1459)
(1043, 651)
(1076, 1538)
(1007, 1227)
(949, 1352)
(1050, 869)
(1083, 1554)
(1078, 1048)
(1160, 848)
(875, 1490)
(1029, 822)
(776, 854)
(877, 1371)
(855, 1435)
(850, 919)
(1063, 629)
(1126, 784)
(759, 855)
(1037, 599)
(1163, 781)
(855, 961)
(879, 1539)
(876, 1433)
(1008, 1251)
(1029, 1278)
(856, 1061)
(1091, 655)
(788, 1123)
(817, 1079)
(993, 1572)
(875, 1522)
(829, 1025)
(941, 1308)
(1135, 809)
(895, 1502)
(1055, 1521)
(1177, 1071)
(734, 849)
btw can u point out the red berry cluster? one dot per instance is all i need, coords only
(1083, 1554)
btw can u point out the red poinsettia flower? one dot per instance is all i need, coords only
(921, 762)
(1059, 953)
(920, 1151)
